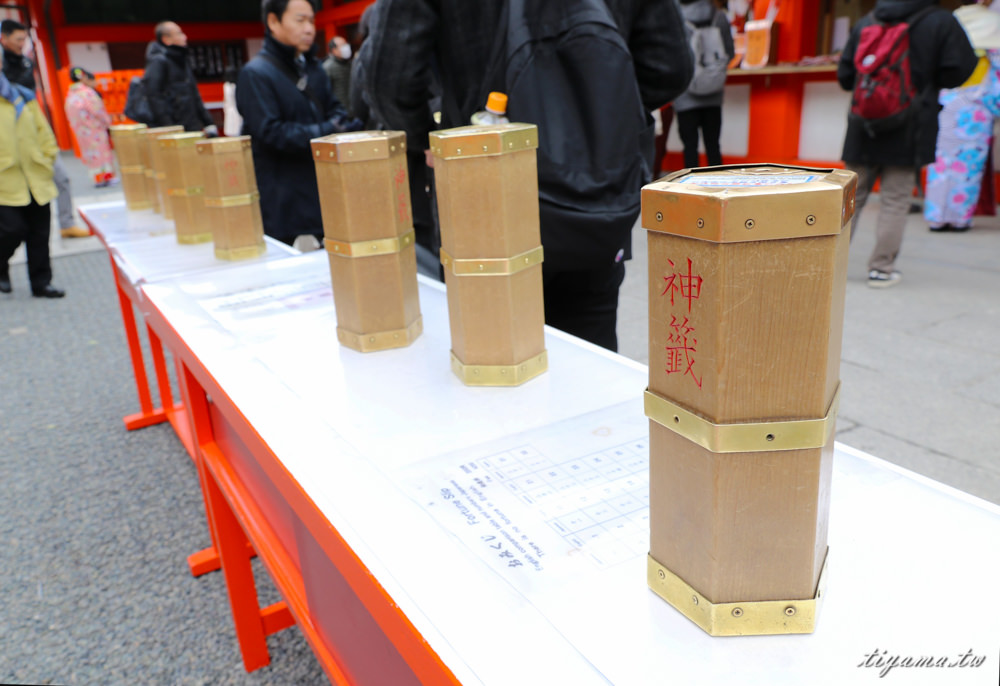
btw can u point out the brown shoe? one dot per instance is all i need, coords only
(75, 232)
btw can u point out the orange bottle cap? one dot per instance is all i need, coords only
(497, 103)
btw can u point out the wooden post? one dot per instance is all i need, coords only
(747, 271)
(487, 191)
(129, 151)
(364, 195)
(232, 202)
(154, 168)
(185, 188)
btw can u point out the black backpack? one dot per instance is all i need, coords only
(565, 67)
(137, 106)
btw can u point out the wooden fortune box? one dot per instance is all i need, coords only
(155, 173)
(232, 202)
(487, 191)
(184, 186)
(129, 149)
(747, 271)
(149, 142)
(368, 227)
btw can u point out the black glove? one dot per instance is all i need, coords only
(343, 124)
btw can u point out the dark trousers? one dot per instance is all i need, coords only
(30, 225)
(709, 121)
(584, 302)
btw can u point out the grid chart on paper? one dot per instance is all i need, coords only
(599, 503)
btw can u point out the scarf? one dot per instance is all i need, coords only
(12, 95)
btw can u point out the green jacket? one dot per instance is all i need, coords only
(27, 152)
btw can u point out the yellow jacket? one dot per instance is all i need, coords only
(27, 152)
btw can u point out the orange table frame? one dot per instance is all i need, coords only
(206, 560)
(357, 632)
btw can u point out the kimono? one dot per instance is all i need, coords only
(964, 137)
(90, 121)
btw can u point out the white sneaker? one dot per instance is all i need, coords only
(879, 279)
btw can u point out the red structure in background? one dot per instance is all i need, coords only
(51, 34)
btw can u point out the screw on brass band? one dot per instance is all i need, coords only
(381, 340)
(246, 253)
(134, 169)
(193, 238)
(750, 437)
(383, 246)
(185, 192)
(492, 266)
(499, 374)
(232, 200)
(752, 618)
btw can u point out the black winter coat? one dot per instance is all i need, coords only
(172, 90)
(281, 121)
(408, 35)
(940, 57)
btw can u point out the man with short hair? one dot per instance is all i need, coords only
(285, 99)
(21, 70)
(170, 84)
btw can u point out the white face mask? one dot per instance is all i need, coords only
(345, 51)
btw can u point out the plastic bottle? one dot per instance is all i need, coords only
(495, 112)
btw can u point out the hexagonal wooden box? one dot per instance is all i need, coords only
(368, 228)
(184, 185)
(129, 150)
(486, 180)
(747, 272)
(149, 142)
(232, 203)
(155, 173)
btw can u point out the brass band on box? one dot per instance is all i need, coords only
(796, 434)
(383, 246)
(753, 618)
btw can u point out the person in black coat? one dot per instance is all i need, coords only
(940, 57)
(285, 99)
(170, 84)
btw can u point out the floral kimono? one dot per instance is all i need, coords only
(90, 121)
(965, 130)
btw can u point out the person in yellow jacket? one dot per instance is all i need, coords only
(27, 152)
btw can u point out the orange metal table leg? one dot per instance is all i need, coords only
(146, 416)
(253, 623)
(206, 560)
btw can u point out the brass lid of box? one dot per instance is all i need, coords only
(213, 146)
(476, 141)
(747, 280)
(126, 129)
(733, 204)
(180, 140)
(358, 146)
(364, 195)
